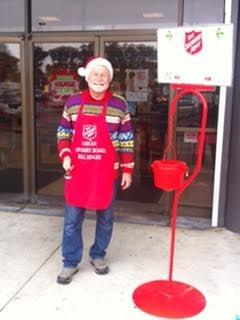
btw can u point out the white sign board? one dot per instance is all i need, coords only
(196, 55)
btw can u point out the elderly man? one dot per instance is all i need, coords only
(95, 143)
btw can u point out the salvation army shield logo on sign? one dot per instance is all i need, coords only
(193, 42)
(89, 132)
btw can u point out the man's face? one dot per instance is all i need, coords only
(99, 79)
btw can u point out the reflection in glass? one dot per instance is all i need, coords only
(55, 79)
(188, 122)
(204, 11)
(11, 15)
(11, 162)
(102, 15)
(190, 110)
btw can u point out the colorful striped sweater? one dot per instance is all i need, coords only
(118, 123)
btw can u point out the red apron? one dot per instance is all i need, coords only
(93, 157)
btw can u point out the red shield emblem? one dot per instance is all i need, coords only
(193, 42)
(89, 132)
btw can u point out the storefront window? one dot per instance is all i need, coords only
(11, 15)
(11, 159)
(55, 78)
(102, 14)
(203, 12)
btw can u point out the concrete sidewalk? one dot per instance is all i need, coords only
(31, 259)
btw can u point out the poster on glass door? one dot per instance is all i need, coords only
(137, 85)
(61, 85)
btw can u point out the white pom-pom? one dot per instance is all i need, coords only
(82, 71)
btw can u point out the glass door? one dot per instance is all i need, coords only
(135, 77)
(55, 78)
(11, 155)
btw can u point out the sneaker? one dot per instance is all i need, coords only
(66, 275)
(100, 266)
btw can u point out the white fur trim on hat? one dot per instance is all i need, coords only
(84, 72)
(81, 71)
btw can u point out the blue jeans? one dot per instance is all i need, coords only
(72, 244)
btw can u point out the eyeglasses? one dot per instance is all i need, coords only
(99, 75)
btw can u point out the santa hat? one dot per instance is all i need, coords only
(92, 63)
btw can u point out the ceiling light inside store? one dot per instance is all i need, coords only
(49, 19)
(152, 15)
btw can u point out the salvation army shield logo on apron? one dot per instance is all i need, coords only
(193, 42)
(89, 132)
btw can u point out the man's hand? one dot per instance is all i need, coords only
(67, 164)
(126, 180)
